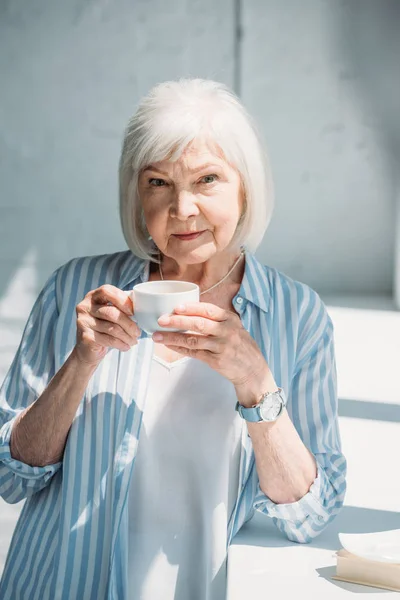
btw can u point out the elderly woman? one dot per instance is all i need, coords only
(142, 456)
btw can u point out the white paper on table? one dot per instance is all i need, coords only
(381, 546)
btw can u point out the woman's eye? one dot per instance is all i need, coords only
(209, 178)
(155, 182)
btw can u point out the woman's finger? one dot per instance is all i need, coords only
(204, 355)
(188, 340)
(114, 315)
(90, 337)
(203, 309)
(196, 324)
(112, 329)
(118, 298)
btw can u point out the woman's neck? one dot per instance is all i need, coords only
(205, 274)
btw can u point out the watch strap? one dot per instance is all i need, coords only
(253, 413)
(249, 414)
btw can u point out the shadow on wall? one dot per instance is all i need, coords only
(368, 37)
(59, 162)
(374, 411)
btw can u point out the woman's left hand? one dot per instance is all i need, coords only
(215, 336)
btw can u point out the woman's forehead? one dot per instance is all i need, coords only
(195, 154)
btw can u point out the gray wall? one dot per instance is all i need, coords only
(73, 71)
(72, 74)
(309, 69)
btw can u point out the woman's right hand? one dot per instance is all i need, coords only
(103, 322)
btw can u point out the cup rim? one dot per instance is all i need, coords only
(145, 283)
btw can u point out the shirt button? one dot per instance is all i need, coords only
(320, 518)
(239, 300)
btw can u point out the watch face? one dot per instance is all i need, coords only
(271, 407)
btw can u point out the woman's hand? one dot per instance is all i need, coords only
(216, 337)
(103, 322)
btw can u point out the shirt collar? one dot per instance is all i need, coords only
(255, 286)
(133, 268)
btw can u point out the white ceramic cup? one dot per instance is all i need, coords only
(155, 298)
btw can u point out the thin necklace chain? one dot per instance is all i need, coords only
(242, 251)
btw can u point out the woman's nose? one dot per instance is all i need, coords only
(184, 206)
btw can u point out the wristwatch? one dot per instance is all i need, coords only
(268, 409)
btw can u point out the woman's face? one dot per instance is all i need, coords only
(200, 193)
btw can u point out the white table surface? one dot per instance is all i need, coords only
(263, 564)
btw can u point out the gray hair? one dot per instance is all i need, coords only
(172, 115)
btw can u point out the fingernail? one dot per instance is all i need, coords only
(157, 337)
(164, 320)
(181, 307)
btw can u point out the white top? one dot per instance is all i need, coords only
(188, 464)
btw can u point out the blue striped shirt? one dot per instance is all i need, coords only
(71, 539)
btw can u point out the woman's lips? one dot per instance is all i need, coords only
(190, 236)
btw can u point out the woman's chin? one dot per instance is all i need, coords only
(191, 251)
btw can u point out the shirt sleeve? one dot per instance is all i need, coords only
(31, 370)
(313, 407)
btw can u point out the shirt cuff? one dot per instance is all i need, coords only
(16, 466)
(309, 506)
